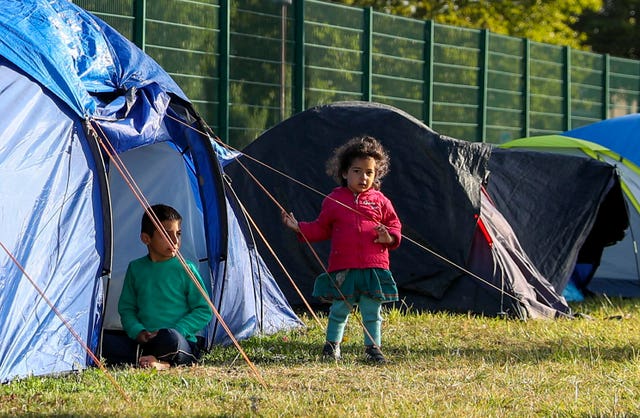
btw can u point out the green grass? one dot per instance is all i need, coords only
(441, 365)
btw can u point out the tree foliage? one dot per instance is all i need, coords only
(613, 29)
(550, 21)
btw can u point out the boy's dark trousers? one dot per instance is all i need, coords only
(171, 346)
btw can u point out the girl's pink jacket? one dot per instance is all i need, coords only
(352, 228)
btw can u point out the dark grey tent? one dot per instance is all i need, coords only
(558, 206)
(613, 270)
(436, 184)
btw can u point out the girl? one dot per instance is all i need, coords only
(363, 226)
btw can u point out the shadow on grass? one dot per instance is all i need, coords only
(297, 352)
(525, 353)
(302, 347)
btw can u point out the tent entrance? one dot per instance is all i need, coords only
(161, 174)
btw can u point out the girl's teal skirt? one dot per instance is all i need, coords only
(375, 283)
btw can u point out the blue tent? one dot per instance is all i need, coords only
(619, 274)
(68, 85)
(620, 135)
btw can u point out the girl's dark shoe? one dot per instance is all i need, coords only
(331, 350)
(374, 355)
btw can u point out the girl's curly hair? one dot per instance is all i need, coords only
(358, 147)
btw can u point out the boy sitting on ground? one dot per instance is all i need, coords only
(160, 306)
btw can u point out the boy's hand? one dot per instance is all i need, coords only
(383, 235)
(144, 336)
(290, 221)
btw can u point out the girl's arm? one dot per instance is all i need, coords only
(320, 229)
(391, 227)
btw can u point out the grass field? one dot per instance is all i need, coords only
(441, 365)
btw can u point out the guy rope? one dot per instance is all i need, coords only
(66, 323)
(423, 247)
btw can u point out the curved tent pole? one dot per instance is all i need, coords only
(107, 221)
(183, 110)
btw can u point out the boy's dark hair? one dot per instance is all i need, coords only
(358, 147)
(163, 213)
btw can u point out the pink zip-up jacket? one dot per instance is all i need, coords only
(352, 228)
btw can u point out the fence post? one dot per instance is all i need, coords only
(567, 87)
(367, 54)
(484, 82)
(223, 80)
(284, 4)
(526, 94)
(139, 23)
(427, 66)
(606, 86)
(299, 58)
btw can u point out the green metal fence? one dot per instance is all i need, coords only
(248, 64)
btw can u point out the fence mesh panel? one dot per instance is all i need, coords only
(465, 83)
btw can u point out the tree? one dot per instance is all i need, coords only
(550, 21)
(613, 29)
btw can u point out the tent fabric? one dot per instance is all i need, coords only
(505, 282)
(552, 202)
(435, 184)
(50, 210)
(91, 59)
(619, 134)
(619, 274)
(518, 278)
(68, 218)
(612, 242)
(306, 140)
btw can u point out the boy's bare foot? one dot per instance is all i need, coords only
(151, 362)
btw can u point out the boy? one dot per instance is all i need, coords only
(160, 307)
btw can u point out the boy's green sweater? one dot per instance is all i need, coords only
(159, 295)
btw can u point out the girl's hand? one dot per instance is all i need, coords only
(290, 221)
(383, 235)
